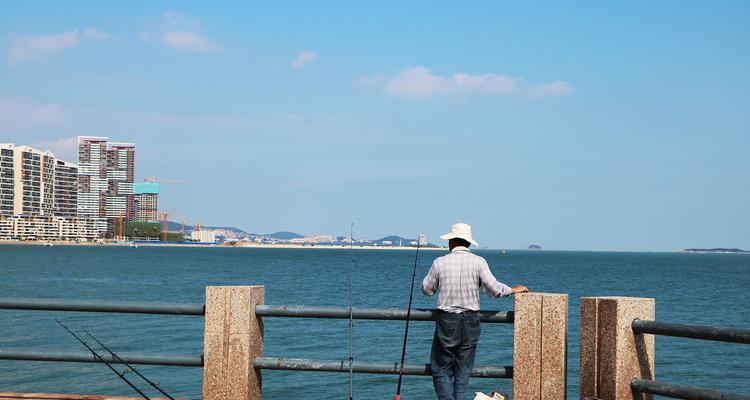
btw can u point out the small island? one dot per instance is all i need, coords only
(716, 250)
(533, 247)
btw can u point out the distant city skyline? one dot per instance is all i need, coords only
(579, 126)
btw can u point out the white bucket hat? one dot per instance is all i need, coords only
(460, 231)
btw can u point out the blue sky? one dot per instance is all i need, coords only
(594, 125)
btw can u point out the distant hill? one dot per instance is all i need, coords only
(284, 235)
(534, 247)
(177, 226)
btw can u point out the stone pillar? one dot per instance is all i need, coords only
(233, 337)
(611, 355)
(540, 344)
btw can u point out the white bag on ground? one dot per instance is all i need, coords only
(495, 396)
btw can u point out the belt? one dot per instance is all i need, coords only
(466, 312)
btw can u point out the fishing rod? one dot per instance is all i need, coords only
(406, 331)
(351, 312)
(96, 355)
(116, 357)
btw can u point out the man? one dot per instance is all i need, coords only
(458, 276)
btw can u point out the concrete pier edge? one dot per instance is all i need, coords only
(611, 354)
(540, 346)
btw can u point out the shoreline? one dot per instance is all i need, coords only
(206, 245)
(328, 247)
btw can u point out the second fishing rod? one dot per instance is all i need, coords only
(408, 318)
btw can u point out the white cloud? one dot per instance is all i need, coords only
(29, 47)
(95, 34)
(304, 59)
(183, 33)
(186, 40)
(556, 88)
(17, 114)
(63, 149)
(422, 82)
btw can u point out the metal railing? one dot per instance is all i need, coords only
(384, 314)
(703, 332)
(120, 307)
(271, 363)
(681, 391)
(389, 314)
(117, 307)
(130, 358)
(301, 364)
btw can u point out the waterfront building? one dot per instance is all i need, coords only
(38, 197)
(203, 236)
(47, 227)
(422, 240)
(145, 201)
(313, 239)
(6, 179)
(65, 189)
(33, 182)
(105, 180)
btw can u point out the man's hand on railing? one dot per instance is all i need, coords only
(519, 289)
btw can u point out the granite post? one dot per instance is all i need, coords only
(540, 343)
(233, 337)
(611, 354)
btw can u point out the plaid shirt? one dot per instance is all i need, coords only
(458, 275)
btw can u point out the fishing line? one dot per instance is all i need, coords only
(117, 358)
(406, 331)
(351, 313)
(100, 358)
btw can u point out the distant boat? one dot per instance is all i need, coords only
(132, 244)
(504, 252)
(48, 244)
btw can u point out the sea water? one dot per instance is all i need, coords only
(707, 289)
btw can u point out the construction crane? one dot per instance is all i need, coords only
(120, 222)
(153, 179)
(164, 229)
(182, 220)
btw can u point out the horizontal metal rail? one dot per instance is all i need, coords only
(301, 364)
(369, 313)
(130, 358)
(720, 334)
(126, 307)
(681, 391)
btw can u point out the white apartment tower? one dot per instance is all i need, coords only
(66, 189)
(6, 179)
(38, 197)
(33, 183)
(106, 171)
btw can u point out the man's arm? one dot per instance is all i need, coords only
(495, 288)
(430, 282)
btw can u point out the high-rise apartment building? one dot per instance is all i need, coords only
(92, 176)
(146, 201)
(66, 189)
(106, 171)
(38, 197)
(6, 179)
(33, 182)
